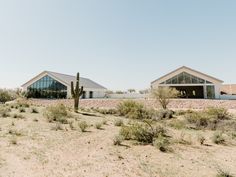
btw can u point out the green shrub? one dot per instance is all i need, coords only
(218, 113)
(118, 122)
(133, 110)
(7, 95)
(177, 124)
(165, 114)
(34, 110)
(118, 140)
(98, 125)
(162, 143)
(57, 113)
(218, 138)
(142, 132)
(83, 126)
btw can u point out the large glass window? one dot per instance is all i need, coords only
(210, 91)
(185, 78)
(47, 87)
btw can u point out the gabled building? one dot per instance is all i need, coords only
(191, 83)
(56, 85)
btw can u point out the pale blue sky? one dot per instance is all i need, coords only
(119, 43)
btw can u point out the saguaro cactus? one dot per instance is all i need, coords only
(76, 93)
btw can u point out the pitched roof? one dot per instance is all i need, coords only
(66, 79)
(187, 68)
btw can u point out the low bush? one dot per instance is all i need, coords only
(57, 127)
(218, 138)
(162, 143)
(7, 95)
(177, 124)
(184, 139)
(57, 113)
(106, 111)
(118, 122)
(18, 116)
(218, 113)
(142, 132)
(118, 139)
(134, 110)
(83, 126)
(34, 110)
(5, 112)
(165, 114)
(98, 125)
(201, 139)
(104, 122)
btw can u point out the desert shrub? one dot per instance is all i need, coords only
(184, 139)
(183, 112)
(164, 94)
(218, 138)
(98, 125)
(57, 113)
(118, 139)
(72, 126)
(34, 110)
(7, 95)
(22, 103)
(162, 143)
(118, 122)
(218, 113)
(142, 132)
(201, 139)
(223, 173)
(106, 111)
(22, 110)
(18, 116)
(4, 112)
(83, 126)
(133, 110)
(177, 124)
(210, 118)
(165, 114)
(57, 127)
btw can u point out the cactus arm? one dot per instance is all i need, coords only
(72, 90)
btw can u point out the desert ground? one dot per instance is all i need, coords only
(31, 146)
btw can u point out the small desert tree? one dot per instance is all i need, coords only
(164, 94)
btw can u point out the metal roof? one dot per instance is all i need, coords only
(66, 79)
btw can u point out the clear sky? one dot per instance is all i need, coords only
(121, 44)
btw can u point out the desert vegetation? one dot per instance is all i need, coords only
(151, 141)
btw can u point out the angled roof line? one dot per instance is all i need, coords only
(66, 79)
(185, 67)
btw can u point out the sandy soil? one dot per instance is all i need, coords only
(43, 152)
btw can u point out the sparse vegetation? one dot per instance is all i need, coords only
(218, 138)
(34, 110)
(118, 139)
(98, 125)
(21, 110)
(164, 94)
(57, 113)
(162, 143)
(118, 122)
(13, 140)
(201, 139)
(7, 95)
(223, 173)
(165, 114)
(83, 126)
(18, 116)
(134, 110)
(57, 127)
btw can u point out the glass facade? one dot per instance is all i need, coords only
(210, 91)
(185, 78)
(47, 87)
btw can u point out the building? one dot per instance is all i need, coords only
(191, 83)
(56, 85)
